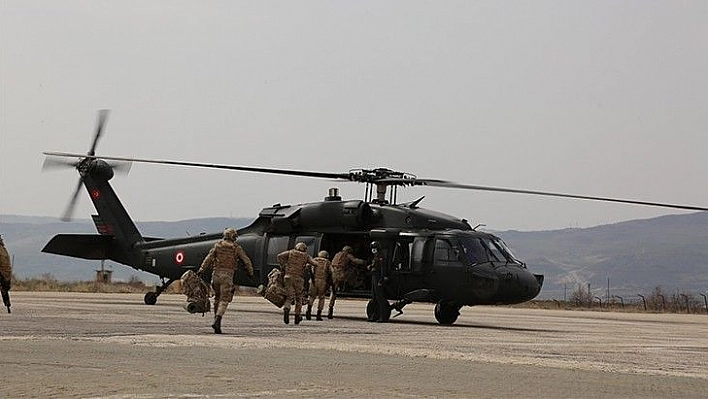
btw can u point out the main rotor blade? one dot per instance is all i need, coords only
(302, 173)
(72, 203)
(448, 184)
(100, 121)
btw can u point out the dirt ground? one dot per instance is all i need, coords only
(114, 346)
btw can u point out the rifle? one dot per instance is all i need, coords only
(5, 293)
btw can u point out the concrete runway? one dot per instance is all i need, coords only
(114, 346)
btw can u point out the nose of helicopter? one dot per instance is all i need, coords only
(530, 284)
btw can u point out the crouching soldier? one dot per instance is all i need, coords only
(321, 278)
(223, 258)
(294, 263)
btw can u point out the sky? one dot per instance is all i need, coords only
(598, 98)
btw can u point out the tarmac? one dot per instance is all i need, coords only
(72, 345)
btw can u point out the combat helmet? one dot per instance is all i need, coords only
(301, 247)
(323, 254)
(230, 234)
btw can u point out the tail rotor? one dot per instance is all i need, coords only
(83, 164)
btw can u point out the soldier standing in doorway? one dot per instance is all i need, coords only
(321, 278)
(341, 268)
(223, 258)
(382, 307)
(5, 275)
(294, 263)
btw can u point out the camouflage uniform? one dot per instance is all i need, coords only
(5, 275)
(294, 264)
(321, 279)
(341, 268)
(223, 258)
(5, 266)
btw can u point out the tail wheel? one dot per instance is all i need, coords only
(446, 313)
(150, 298)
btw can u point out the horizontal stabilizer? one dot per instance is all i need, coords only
(85, 246)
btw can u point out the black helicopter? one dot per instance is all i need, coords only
(431, 257)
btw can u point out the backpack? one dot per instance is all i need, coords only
(275, 291)
(197, 292)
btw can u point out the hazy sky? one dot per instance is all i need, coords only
(601, 98)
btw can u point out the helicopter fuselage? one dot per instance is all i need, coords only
(446, 260)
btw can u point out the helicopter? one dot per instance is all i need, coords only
(430, 256)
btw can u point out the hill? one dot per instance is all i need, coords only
(636, 256)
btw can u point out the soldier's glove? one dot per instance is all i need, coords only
(5, 285)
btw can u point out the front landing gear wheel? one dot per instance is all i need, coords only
(445, 313)
(372, 312)
(150, 298)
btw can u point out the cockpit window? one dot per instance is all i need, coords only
(473, 250)
(444, 251)
(486, 249)
(506, 250)
(495, 253)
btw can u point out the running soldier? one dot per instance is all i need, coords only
(341, 272)
(294, 263)
(5, 275)
(223, 258)
(321, 280)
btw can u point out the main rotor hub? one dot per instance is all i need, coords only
(381, 178)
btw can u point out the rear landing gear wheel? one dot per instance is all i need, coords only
(150, 298)
(446, 313)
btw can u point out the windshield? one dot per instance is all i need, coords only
(507, 251)
(486, 249)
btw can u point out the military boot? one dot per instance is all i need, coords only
(286, 316)
(319, 315)
(298, 319)
(308, 313)
(217, 325)
(330, 314)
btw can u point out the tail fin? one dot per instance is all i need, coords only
(112, 219)
(118, 233)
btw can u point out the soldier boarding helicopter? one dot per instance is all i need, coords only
(430, 257)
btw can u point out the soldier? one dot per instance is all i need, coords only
(377, 284)
(340, 271)
(294, 263)
(321, 278)
(5, 274)
(223, 258)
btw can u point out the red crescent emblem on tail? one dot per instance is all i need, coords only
(95, 194)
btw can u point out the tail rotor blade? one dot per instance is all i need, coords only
(72, 203)
(56, 163)
(121, 166)
(100, 122)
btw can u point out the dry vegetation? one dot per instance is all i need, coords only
(48, 282)
(656, 302)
